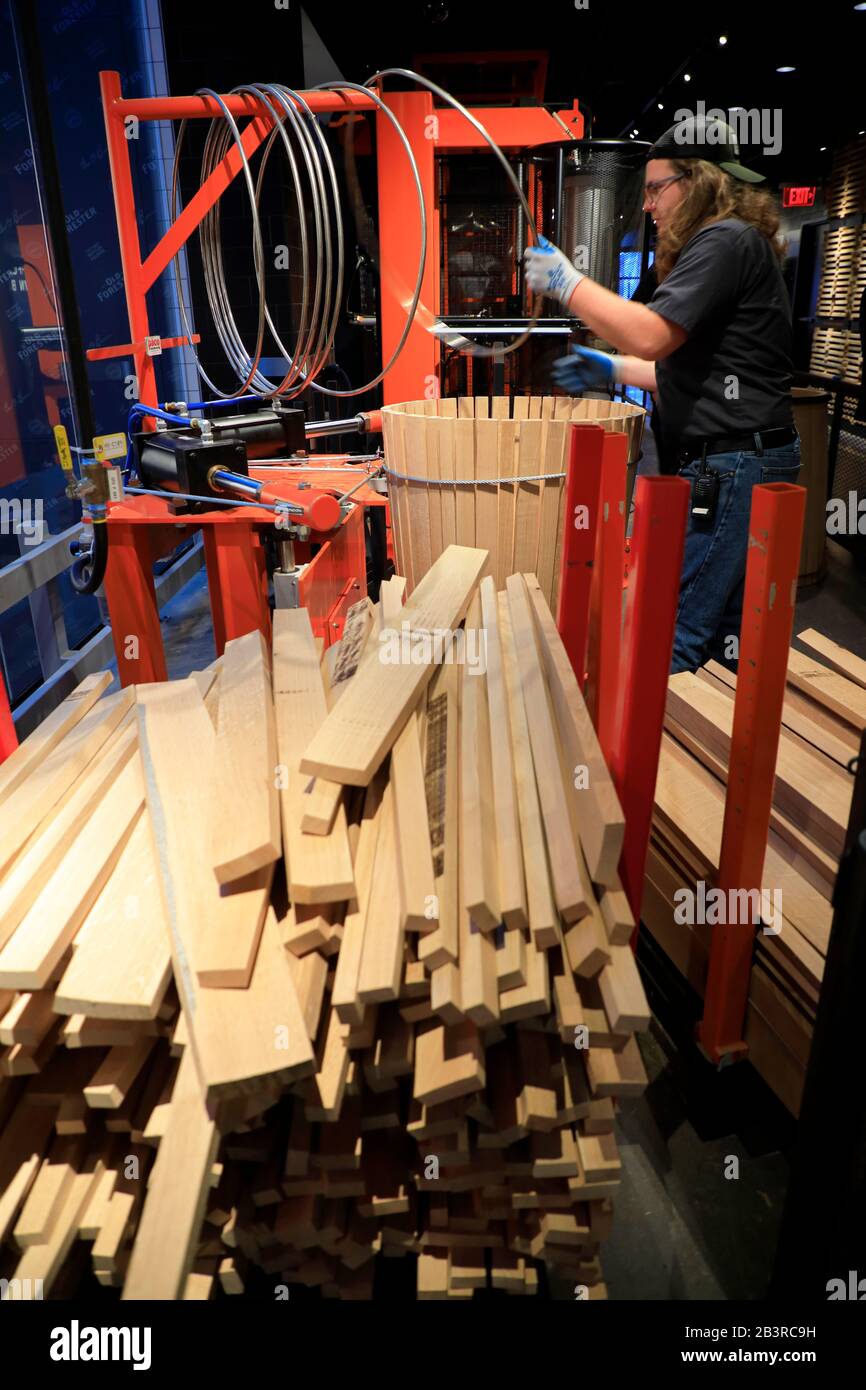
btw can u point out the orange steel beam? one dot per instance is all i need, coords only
(201, 203)
(127, 233)
(605, 614)
(128, 349)
(415, 375)
(138, 275)
(582, 487)
(512, 127)
(428, 129)
(201, 107)
(658, 535)
(775, 532)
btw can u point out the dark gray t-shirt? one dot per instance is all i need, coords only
(733, 375)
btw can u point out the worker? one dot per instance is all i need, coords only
(713, 345)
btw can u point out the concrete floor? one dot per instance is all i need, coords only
(682, 1229)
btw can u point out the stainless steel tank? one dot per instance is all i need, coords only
(601, 209)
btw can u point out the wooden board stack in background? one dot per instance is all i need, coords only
(233, 1055)
(823, 718)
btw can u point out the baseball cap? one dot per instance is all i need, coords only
(704, 137)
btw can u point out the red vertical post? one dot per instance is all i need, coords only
(582, 485)
(237, 581)
(127, 232)
(605, 605)
(132, 606)
(658, 537)
(775, 533)
(211, 560)
(8, 736)
(416, 369)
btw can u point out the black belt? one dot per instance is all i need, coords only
(754, 443)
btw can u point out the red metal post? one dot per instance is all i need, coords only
(415, 374)
(8, 736)
(605, 604)
(237, 581)
(658, 536)
(582, 485)
(132, 605)
(127, 233)
(775, 533)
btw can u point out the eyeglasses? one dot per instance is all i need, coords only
(652, 190)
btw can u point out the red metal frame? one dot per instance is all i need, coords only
(775, 533)
(658, 536)
(399, 232)
(142, 528)
(140, 275)
(8, 736)
(431, 131)
(605, 603)
(582, 487)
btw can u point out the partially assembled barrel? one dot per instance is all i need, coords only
(489, 472)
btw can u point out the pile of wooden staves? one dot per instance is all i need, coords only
(824, 714)
(319, 955)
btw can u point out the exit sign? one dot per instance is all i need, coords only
(798, 197)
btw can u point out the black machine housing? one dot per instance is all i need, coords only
(179, 459)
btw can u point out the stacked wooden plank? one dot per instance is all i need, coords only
(312, 957)
(824, 714)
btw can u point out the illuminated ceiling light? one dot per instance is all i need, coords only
(687, 77)
(786, 69)
(660, 105)
(723, 39)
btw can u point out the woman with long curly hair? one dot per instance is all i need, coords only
(713, 345)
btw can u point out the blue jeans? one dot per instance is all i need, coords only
(714, 564)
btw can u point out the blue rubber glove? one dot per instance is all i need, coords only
(585, 369)
(549, 271)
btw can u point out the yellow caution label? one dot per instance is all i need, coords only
(109, 446)
(61, 439)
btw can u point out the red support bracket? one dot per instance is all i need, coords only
(605, 604)
(775, 532)
(103, 354)
(131, 596)
(582, 486)
(237, 582)
(658, 537)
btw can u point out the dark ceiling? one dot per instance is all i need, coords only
(620, 59)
